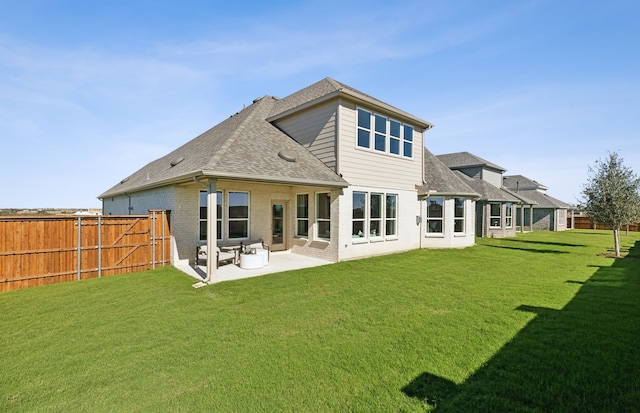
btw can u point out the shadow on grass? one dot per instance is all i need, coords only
(536, 250)
(581, 358)
(559, 244)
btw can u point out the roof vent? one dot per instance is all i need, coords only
(287, 156)
(124, 180)
(176, 161)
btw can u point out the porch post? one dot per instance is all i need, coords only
(212, 219)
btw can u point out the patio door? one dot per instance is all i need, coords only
(277, 226)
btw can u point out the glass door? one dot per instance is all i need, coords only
(277, 226)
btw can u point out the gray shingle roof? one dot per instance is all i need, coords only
(543, 200)
(328, 88)
(244, 146)
(461, 160)
(439, 179)
(487, 191)
(515, 182)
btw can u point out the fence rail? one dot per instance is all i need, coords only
(43, 250)
(587, 223)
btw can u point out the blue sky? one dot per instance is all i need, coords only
(92, 91)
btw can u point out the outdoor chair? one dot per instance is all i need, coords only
(221, 256)
(259, 246)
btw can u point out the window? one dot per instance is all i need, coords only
(389, 135)
(302, 215)
(408, 141)
(364, 128)
(494, 215)
(435, 215)
(238, 215)
(508, 218)
(391, 215)
(203, 215)
(358, 212)
(323, 215)
(375, 215)
(380, 140)
(458, 223)
(394, 137)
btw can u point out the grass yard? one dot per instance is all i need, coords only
(537, 323)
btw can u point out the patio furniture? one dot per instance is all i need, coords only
(221, 256)
(260, 248)
(249, 261)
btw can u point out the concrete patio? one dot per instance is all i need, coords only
(278, 262)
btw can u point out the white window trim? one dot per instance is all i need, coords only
(301, 219)
(367, 238)
(495, 216)
(427, 218)
(393, 236)
(508, 215)
(318, 220)
(248, 219)
(218, 218)
(463, 218)
(388, 137)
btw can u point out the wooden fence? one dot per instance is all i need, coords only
(46, 250)
(586, 223)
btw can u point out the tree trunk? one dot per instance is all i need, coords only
(616, 239)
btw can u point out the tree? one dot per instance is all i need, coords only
(612, 195)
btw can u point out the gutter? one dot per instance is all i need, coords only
(194, 176)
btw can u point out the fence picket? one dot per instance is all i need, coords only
(44, 250)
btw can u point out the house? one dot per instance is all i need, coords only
(448, 206)
(496, 206)
(546, 213)
(327, 172)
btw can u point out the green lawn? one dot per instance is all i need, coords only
(536, 323)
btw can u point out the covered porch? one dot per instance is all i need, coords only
(279, 261)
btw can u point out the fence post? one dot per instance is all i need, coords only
(153, 239)
(99, 246)
(164, 220)
(79, 248)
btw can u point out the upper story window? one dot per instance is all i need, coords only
(435, 214)
(383, 134)
(407, 136)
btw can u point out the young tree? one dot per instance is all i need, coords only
(612, 195)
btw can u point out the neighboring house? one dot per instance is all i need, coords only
(327, 172)
(546, 212)
(496, 207)
(448, 206)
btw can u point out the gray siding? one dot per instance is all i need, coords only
(375, 169)
(315, 129)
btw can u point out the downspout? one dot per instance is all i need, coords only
(129, 208)
(199, 182)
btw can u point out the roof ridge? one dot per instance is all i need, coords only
(247, 113)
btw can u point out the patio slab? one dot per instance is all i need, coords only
(279, 261)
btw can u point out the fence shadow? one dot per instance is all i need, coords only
(527, 249)
(583, 357)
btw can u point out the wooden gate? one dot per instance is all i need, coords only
(47, 250)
